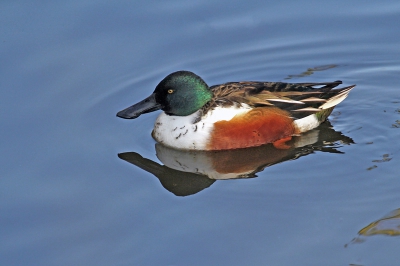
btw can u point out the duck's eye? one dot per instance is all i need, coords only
(170, 91)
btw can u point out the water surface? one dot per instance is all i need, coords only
(68, 199)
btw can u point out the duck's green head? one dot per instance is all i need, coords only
(181, 93)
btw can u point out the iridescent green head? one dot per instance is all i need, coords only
(181, 93)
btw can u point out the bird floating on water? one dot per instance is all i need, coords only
(235, 115)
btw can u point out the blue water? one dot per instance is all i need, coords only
(68, 199)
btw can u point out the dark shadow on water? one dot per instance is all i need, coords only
(188, 172)
(311, 71)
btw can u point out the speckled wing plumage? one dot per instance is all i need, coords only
(299, 99)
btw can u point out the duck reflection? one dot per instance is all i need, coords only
(388, 225)
(188, 172)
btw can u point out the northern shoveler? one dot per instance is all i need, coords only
(236, 114)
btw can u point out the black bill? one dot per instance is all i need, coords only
(146, 106)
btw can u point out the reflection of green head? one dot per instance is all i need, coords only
(182, 93)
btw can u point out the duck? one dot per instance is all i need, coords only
(235, 115)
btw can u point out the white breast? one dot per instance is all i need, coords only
(181, 133)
